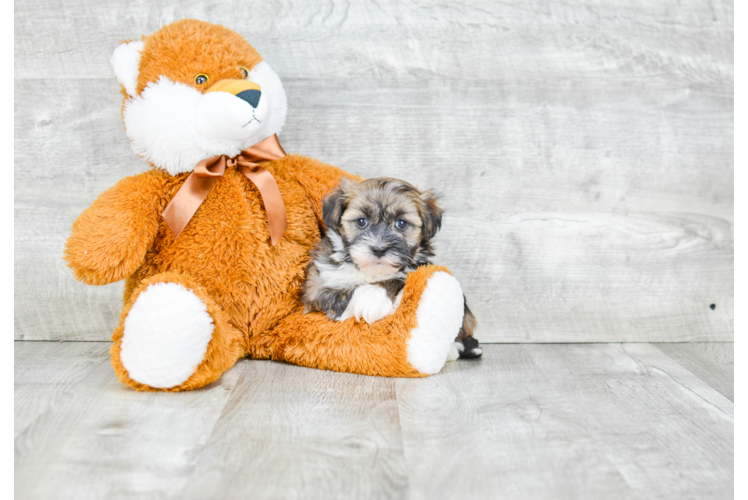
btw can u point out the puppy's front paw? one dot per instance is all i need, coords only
(398, 300)
(369, 302)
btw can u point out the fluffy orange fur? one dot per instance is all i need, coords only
(172, 51)
(251, 288)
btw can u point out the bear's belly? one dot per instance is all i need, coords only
(226, 248)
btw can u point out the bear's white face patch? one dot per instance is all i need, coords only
(174, 126)
(272, 88)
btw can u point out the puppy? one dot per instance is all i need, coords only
(377, 232)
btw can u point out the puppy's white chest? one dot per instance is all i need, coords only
(342, 276)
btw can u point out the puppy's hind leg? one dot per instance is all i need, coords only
(466, 346)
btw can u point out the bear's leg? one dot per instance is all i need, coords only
(414, 341)
(172, 336)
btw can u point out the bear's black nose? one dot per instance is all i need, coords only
(251, 96)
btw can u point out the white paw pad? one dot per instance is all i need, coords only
(166, 336)
(369, 302)
(439, 317)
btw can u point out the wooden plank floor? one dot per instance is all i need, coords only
(542, 421)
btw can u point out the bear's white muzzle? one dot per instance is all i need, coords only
(232, 110)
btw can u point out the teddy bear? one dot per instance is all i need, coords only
(214, 238)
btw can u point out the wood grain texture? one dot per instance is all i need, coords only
(291, 432)
(738, 210)
(525, 422)
(70, 148)
(103, 440)
(692, 385)
(44, 371)
(712, 362)
(472, 40)
(594, 277)
(739, 483)
(498, 428)
(740, 353)
(654, 429)
(584, 152)
(508, 146)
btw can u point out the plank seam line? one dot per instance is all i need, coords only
(402, 440)
(239, 380)
(62, 395)
(602, 446)
(659, 370)
(654, 369)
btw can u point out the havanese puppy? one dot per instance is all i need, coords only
(377, 232)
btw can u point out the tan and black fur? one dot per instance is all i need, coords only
(377, 231)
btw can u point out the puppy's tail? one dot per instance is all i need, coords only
(467, 345)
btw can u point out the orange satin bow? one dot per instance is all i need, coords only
(195, 189)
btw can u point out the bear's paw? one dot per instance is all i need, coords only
(166, 336)
(439, 316)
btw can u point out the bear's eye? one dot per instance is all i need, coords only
(244, 71)
(201, 79)
(401, 224)
(362, 222)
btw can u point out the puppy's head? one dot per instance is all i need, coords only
(383, 224)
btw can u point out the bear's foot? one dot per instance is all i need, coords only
(166, 336)
(413, 341)
(173, 336)
(439, 316)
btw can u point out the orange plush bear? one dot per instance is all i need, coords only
(213, 241)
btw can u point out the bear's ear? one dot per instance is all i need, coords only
(125, 63)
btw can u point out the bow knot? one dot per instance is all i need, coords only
(199, 183)
(232, 162)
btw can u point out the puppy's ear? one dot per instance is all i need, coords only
(432, 214)
(333, 205)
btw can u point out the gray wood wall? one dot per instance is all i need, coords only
(584, 149)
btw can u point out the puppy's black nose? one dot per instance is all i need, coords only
(251, 96)
(379, 251)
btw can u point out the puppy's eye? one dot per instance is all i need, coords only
(243, 71)
(201, 79)
(401, 224)
(362, 222)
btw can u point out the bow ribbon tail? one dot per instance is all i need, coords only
(193, 192)
(268, 149)
(271, 198)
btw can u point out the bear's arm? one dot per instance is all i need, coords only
(317, 179)
(109, 239)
